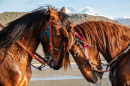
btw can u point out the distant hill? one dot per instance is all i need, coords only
(79, 18)
(7, 17)
(125, 21)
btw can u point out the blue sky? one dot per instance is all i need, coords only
(112, 8)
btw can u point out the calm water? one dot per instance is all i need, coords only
(70, 77)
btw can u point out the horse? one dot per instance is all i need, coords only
(112, 41)
(20, 39)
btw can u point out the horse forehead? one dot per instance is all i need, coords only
(55, 14)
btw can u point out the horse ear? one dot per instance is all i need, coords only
(63, 9)
(49, 8)
(54, 15)
(64, 32)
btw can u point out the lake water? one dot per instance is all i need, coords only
(70, 77)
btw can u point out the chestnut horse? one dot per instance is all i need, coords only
(113, 41)
(20, 39)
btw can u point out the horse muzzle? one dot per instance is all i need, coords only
(52, 63)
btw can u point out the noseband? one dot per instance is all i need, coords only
(86, 45)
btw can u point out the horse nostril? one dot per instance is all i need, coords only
(90, 80)
(51, 64)
(56, 67)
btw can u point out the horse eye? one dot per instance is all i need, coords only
(58, 35)
(76, 54)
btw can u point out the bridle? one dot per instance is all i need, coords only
(47, 30)
(36, 56)
(78, 38)
(110, 65)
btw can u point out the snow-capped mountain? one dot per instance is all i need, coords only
(70, 10)
(90, 11)
(86, 10)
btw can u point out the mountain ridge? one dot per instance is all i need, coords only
(7, 17)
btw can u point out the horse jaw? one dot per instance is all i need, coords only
(98, 75)
(92, 76)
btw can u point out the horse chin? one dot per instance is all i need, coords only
(57, 67)
(53, 65)
(96, 79)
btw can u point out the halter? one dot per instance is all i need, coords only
(47, 30)
(86, 45)
(36, 56)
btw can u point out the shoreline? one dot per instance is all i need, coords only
(71, 63)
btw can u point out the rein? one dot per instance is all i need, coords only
(113, 62)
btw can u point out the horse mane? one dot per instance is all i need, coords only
(65, 20)
(103, 34)
(21, 26)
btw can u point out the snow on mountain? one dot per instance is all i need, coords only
(90, 11)
(70, 10)
(86, 10)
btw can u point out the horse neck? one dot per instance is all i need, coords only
(30, 42)
(112, 50)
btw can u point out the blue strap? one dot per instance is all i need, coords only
(46, 32)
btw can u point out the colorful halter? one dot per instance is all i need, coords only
(86, 45)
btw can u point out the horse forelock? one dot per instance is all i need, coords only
(64, 53)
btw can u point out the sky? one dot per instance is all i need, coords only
(111, 8)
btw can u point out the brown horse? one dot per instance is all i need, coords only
(30, 30)
(113, 41)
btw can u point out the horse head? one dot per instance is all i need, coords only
(60, 24)
(86, 56)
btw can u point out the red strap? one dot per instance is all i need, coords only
(2, 26)
(50, 44)
(85, 45)
(30, 53)
(44, 28)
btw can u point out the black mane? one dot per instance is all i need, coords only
(65, 19)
